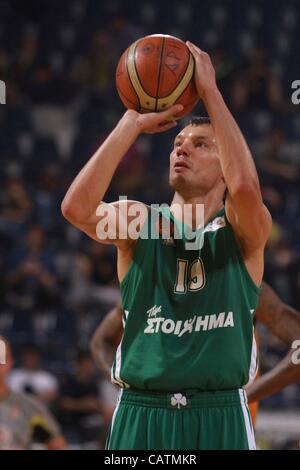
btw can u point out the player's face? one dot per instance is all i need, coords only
(194, 163)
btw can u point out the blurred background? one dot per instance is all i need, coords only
(58, 61)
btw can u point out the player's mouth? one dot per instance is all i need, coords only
(181, 165)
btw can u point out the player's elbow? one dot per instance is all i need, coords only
(66, 209)
(69, 211)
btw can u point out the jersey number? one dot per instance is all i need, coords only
(190, 276)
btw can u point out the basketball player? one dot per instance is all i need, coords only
(284, 322)
(187, 349)
(24, 419)
(281, 320)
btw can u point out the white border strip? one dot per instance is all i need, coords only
(248, 426)
(113, 418)
(253, 362)
(115, 376)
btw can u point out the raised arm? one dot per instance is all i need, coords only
(88, 189)
(284, 322)
(283, 374)
(106, 339)
(244, 207)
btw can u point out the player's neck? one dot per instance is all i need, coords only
(212, 204)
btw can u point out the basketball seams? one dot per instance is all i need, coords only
(182, 75)
(185, 70)
(159, 72)
(128, 100)
(139, 79)
(182, 85)
(134, 77)
(132, 86)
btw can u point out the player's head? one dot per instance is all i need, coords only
(194, 164)
(31, 357)
(6, 358)
(84, 364)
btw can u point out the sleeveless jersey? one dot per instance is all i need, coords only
(188, 314)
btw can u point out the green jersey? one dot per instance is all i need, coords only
(188, 313)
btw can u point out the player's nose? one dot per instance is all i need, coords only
(184, 148)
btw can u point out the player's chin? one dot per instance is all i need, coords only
(177, 181)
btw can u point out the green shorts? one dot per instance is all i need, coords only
(190, 421)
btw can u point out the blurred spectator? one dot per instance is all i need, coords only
(94, 70)
(84, 291)
(274, 157)
(82, 414)
(15, 206)
(23, 419)
(31, 278)
(123, 33)
(224, 68)
(255, 86)
(47, 196)
(30, 378)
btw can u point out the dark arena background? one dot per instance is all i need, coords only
(58, 61)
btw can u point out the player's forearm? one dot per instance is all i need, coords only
(90, 185)
(284, 374)
(282, 320)
(235, 157)
(103, 355)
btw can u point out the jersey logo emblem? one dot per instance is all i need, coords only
(153, 311)
(178, 399)
(216, 224)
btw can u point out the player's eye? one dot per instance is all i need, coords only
(201, 144)
(177, 144)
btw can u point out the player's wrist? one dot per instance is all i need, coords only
(210, 91)
(129, 123)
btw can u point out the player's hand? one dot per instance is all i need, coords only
(152, 123)
(205, 75)
(249, 390)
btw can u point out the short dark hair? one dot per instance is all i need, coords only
(199, 121)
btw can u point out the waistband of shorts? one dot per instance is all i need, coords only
(184, 399)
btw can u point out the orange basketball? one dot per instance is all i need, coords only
(155, 72)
